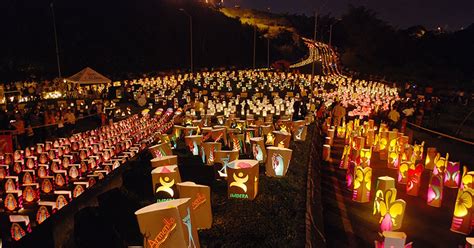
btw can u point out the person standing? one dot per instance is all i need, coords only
(338, 113)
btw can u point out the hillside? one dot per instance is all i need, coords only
(124, 36)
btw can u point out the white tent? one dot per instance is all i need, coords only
(88, 76)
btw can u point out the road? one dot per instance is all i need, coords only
(352, 224)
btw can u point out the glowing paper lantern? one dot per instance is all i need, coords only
(452, 175)
(383, 144)
(331, 132)
(194, 143)
(224, 158)
(362, 184)
(345, 157)
(209, 149)
(430, 158)
(161, 150)
(414, 179)
(341, 131)
(200, 203)
(441, 163)
(300, 131)
(242, 179)
(435, 189)
(370, 137)
(164, 180)
(278, 161)
(365, 156)
(350, 175)
(168, 224)
(403, 170)
(164, 161)
(418, 151)
(258, 149)
(393, 160)
(462, 217)
(326, 152)
(384, 184)
(390, 209)
(238, 143)
(282, 139)
(393, 240)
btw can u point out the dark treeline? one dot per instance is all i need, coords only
(121, 36)
(372, 46)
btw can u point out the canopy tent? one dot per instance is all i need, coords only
(88, 76)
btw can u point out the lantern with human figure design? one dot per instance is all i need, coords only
(242, 179)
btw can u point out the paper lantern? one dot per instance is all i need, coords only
(403, 170)
(224, 158)
(364, 156)
(164, 180)
(390, 209)
(282, 139)
(452, 175)
(393, 240)
(341, 131)
(300, 132)
(430, 158)
(435, 189)
(350, 175)
(258, 149)
(370, 138)
(219, 135)
(242, 179)
(200, 196)
(168, 224)
(278, 161)
(414, 179)
(382, 144)
(209, 151)
(345, 157)
(418, 151)
(384, 183)
(161, 150)
(362, 184)
(164, 161)
(237, 142)
(441, 163)
(327, 152)
(194, 143)
(393, 160)
(462, 216)
(331, 132)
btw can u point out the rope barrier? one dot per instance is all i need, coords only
(442, 134)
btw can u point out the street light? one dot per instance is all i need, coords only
(191, 36)
(56, 39)
(330, 31)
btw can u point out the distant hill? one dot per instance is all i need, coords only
(122, 36)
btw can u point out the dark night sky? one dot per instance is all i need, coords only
(450, 14)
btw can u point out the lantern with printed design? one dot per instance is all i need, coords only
(200, 203)
(278, 161)
(164, 180)
(435, 189)
(414, 179)
(362, 184)
(168, 224)
(242, 179)
(390, 209)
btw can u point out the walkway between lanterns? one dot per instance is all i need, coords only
(426, 226)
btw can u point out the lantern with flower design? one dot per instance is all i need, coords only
(414, 179)
(362, 184)
(435, 189)
(390, 209)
